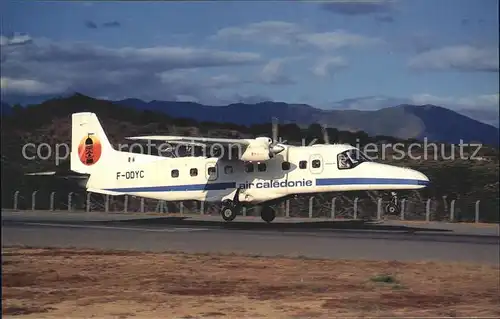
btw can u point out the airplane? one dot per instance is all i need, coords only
(265, 172)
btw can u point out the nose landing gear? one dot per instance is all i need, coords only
(393, 207)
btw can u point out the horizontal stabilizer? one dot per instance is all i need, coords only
(105, 192)
(51, 173)
(68, 175)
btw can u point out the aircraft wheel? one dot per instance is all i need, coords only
(392, 209)
(228, 213)
(267, 214)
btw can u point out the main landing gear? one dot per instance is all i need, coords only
(231, 208)
(268, 214)
(393, 207)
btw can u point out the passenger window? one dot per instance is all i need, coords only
(249, 167)
(316, 163)
(211, 171)
(228, 169)
(285, 166)
(303, 164)
(193, 172)
(261, 167)
(175, 173)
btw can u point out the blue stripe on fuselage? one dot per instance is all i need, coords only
(368, 181)
(176, 188)
(232, 185)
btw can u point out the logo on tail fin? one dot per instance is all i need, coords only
(89, 149)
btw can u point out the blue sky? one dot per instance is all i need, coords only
(373, 53)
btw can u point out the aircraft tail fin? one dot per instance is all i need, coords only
(90, 146)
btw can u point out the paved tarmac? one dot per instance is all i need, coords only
(395, 240)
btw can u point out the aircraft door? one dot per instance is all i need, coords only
(211, 171)
(316, 164)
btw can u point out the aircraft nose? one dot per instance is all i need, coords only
(420, 178)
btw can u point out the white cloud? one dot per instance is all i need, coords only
(359, 7)
(273, 32)
(485, 101)
(273, 72)
(16, 39)
(41, 67)
(367, 103)
(461, 58)
(224, 80)
(29, 87)
(291, 34)
(337, 39)
(483, 108)
(479, 102)
(326, 66)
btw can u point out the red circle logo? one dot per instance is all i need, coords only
(89, 150)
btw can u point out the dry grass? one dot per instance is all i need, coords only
(75, 283)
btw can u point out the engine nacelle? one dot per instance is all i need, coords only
(256, 151)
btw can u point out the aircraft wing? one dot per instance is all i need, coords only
(191, 140)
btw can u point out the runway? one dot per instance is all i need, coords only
(325, 239)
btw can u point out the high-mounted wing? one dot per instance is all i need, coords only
(257, 149)
(191, 140)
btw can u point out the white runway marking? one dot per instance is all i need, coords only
(168, 230)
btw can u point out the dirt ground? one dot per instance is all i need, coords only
(76, 283)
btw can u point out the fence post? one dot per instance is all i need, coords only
(452, 211)
(311, 202)
(445, 203)
(70, 195)
(287, 208)
(379, 208)
(88, 201)
(333, 207)
(52, 195)
(403, 207)
(356, 208)
(477, 211)
(161, 207)
(33, 200)
(125, 204)
(428, 210)
(16, 199)
(106, 204)
(142, 204)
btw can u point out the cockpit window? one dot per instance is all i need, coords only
(351, 158)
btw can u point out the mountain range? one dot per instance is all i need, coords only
(405, 121)
(402, 121)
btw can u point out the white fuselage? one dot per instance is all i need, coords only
(311, 169)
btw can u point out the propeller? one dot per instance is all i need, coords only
(275, 130)
(326, 138)
(274, 148)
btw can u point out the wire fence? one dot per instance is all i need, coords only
(333, 206)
